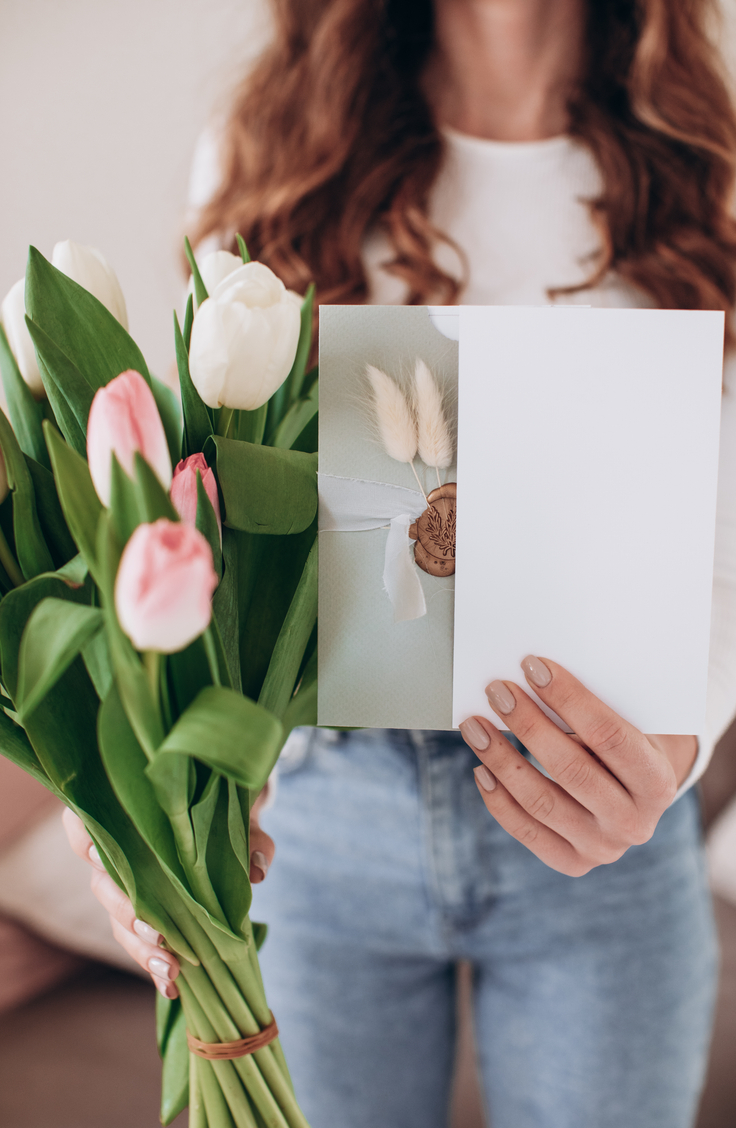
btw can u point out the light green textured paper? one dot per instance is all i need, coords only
(373, 672)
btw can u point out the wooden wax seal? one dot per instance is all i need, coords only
(434, 532)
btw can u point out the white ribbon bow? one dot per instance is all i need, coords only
(348, 505)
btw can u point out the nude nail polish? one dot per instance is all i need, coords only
(150, 935)
(168, 990)
(500, 697)
(161, 968)
(486, 779)
(258, 863)
(94, 856)
(536, 671)
(474, 733)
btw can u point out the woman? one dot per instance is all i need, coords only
(490, 151)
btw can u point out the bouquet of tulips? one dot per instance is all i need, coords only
(157, 628)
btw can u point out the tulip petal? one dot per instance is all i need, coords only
(164, 586)
(124, 419)
(88, 267)
(19, 339)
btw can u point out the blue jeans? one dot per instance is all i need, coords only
(593, 995)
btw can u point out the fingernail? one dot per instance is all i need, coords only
(485, 778)
(536, 671)
(146, 932)
(161, 968)
(259, 863)
(501, 698)
(94, 856)
(168, 990)
(475, 734)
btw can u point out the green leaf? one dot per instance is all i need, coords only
(15, 746)
(139, 500)
(125, 764)
(81, 327)
(55, 634)
(229, 868)
(242, 247)
(269, 571)
(302, 709)
(98, 662)
(278, 685)
(188, 320)
(291, 389)
(53, 526)
(297, 418)
(296, 376)
(25, 414)
(69, 393)
(225, 604)
(266, 490)
(170, 412)
(78, 497)
(75, 572)
(260, 932)
(30, 547)
(206, 523)
(200, 290)
(15, 611)
(175, 1065)
(229, 733)
(197, 419)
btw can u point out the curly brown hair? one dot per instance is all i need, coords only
(331, 136)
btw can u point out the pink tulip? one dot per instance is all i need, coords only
(184, 489)
(164, 586)
(124, 419)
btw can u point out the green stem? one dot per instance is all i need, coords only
(211, 652)
(165, 697)
(197, 1116)
(224, 420)
(9, 563)
(152, 662)
(200, 1027)
(217, 1108)
(266, 1086)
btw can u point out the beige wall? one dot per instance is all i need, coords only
(101, 103)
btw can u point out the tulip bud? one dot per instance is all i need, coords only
(124, 419)
(89, 268)
(84, 265)
(215, 267)
(19, 339)
(184, 489)
(164, 586)
(244, 339)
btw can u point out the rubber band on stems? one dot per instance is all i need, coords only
(226, 1051)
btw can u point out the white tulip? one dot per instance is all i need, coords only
(84, 265)
(215, 267)
(89, 268)
(244, 338)
(19, 339)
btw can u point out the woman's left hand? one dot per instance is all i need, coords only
(610, 783)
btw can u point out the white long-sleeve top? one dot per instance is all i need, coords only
(518, 213)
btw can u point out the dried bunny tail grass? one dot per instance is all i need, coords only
(396, 423)
(434, 439)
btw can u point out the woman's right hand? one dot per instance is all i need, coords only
(140, 940)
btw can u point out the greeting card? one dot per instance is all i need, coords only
(497, 481)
